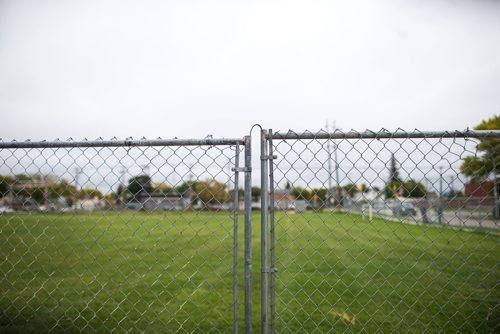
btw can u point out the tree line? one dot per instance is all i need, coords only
(48, 188)
(43, 189)
(208, 191)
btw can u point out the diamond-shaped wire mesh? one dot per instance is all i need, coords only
(117, 239)
(376, 235)
(386, 234)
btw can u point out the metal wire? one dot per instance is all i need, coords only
(398, 233)
(119, 236)
(397, 237)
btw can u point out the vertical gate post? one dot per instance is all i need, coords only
(272, 236)
(248, 235)
(263, 225)
(235, 236)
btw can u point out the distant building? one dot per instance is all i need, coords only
(283, 199)
(87, 204)
(368, 196)
(164, 201)
(479, 190)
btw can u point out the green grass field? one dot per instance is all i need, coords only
(172, 272)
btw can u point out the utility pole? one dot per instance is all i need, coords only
(78, 172)
(145, 169)
(228, 169)
(495, 191)
(190, 185)
(45, 192)
(191, 175)
(229, 180)
(122, 174)
(338, 193)
(329, 192)
(121, 196)
(337, 178)
(451, 185)
(440, 209)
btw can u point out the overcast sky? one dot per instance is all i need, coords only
(192, 68)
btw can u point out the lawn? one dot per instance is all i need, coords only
(172, 272)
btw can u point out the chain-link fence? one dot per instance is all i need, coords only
(360, 231)
(119, 236)
(385, 232)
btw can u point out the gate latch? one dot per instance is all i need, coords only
(241, 169)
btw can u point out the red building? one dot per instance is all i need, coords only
(479, 190)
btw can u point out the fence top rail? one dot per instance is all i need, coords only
(385, 134)
(122, 143)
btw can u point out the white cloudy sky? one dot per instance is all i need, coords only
(191, 68)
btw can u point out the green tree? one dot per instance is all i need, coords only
(121, 190)
(319, 193)
(65, 190)
(394, 184)
(36, 193)
(394, 174)
(161, 188)
(139, 184)
(301, 193)
(5, 184)
(211, 192)
(89, 193)
(350, 189)
(487, 161)
(255, 193)
(186, 186)
(414, 189)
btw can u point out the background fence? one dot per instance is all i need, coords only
(368, 231)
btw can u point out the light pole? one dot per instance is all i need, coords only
(338, 193)
(440, 209)
(78, 171)
(329, 192)
(495, 191)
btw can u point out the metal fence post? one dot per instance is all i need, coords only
(235, 238)
(248, 235)
(263, 220)
(272, 236)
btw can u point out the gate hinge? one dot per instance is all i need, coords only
(269, 270)
(268, 157)
(241, 169)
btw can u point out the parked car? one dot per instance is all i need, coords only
(404, 209)
(5, 209)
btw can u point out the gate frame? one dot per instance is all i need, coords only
(267, 209)
(210, 142)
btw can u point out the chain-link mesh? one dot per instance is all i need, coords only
(107, 236)
(375, 232)
(386, 232)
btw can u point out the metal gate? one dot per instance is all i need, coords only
(371, 231)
